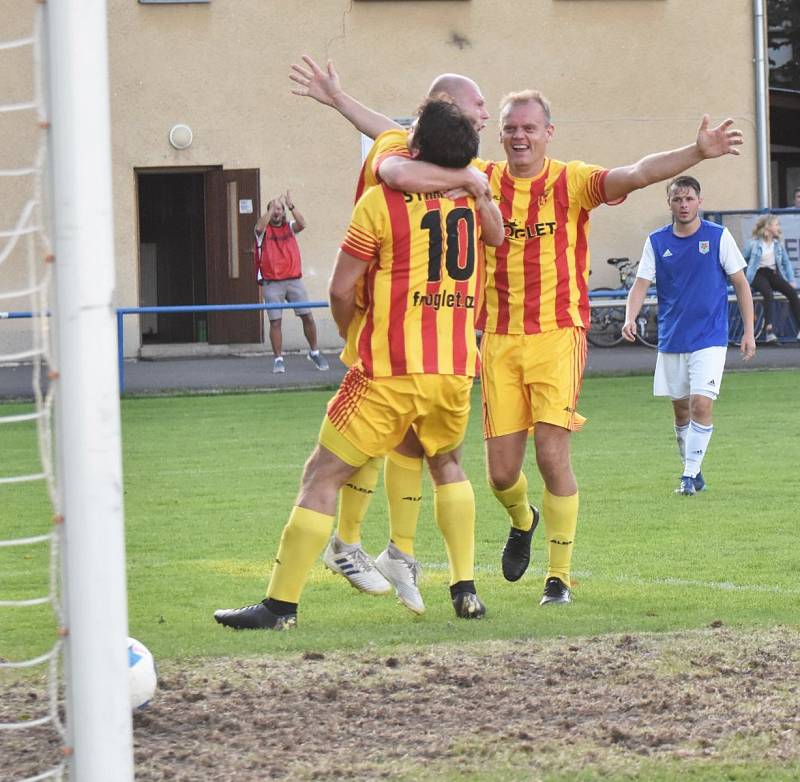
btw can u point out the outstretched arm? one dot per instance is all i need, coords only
(323, 86)
(710, 143)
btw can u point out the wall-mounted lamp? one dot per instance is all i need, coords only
(180, 136)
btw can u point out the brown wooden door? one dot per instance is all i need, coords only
(232, 206)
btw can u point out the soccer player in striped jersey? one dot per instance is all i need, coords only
(533, 350)
(417, 358)
(690, 261)
(403, 467)
(537, 309)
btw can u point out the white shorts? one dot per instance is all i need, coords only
(680, 375)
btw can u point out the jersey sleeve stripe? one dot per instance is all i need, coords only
(359, 247)
(599, 185)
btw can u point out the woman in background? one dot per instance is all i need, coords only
(769, 269)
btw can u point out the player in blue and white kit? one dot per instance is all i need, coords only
(690, 262)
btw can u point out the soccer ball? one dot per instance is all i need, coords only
(141, 674)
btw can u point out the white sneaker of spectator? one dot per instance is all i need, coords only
(319, 361)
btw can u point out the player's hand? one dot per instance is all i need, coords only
(747, 347)
(718, 141)
(459, 192)
(476, 183)
(629, 330)
(287, 200)
(322, 86)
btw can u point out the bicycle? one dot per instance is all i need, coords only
(607, 318)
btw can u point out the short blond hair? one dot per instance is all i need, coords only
(762, 223)
(524, 96)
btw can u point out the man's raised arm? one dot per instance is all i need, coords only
(324, 87)
(710, 143)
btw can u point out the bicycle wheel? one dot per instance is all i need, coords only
(607, 320)
(735, 327)
(647, 325)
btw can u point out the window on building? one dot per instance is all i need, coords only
(783, 40)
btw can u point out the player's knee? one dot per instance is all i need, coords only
(554, 464)
(503, 476)
(701, 408)
(446, 468)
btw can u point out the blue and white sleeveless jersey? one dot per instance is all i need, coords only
(691, 278)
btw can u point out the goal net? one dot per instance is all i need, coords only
(61, 522)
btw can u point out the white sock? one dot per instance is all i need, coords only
(313, 352)
(696, 447)
(680, 438)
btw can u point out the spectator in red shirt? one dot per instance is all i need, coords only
(276, 256)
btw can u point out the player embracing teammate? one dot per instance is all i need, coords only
(536, 304)
(414, 370)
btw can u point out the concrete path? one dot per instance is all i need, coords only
(254, 372)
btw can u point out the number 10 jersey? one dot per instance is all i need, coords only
(421, 285)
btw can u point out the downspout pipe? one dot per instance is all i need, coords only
(762, 108)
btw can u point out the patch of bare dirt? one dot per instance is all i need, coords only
(601, 703)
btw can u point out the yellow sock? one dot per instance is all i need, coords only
(402, 479)
(354, 499)
(302, 541)
(515, 501)
(454, 508)
(560, 521)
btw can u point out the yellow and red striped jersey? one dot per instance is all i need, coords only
(421, 283)
(538, 279)
(390, 142)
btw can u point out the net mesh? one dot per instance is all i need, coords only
(25, 288)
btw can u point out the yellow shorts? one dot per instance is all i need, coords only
(527, 378)
(370, 416)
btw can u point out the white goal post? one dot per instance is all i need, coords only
(87, 413)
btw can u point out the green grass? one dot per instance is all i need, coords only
(209, 482)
